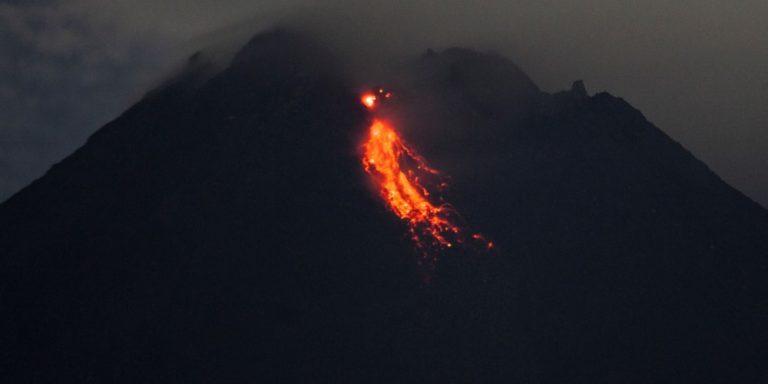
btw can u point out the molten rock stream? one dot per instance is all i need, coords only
(411, 189)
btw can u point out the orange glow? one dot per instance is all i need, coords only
(369, 100)
(385, 157)
(411, 189)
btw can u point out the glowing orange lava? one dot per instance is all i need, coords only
(411, 188)
(369, 100)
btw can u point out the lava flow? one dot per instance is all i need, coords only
(411, 188)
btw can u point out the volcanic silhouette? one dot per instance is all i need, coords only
(223, 229)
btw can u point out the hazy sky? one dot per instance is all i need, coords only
(698, 69)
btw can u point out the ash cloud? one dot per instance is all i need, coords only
(695, 68)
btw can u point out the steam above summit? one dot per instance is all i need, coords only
(223, 229)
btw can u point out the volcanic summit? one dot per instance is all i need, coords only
(224, 229)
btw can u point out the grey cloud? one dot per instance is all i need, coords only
(62, 74)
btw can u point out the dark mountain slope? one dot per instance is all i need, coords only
(632, 246)
(203, 234)
(222, 230)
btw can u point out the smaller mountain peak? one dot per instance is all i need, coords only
(488, 81)
(578, 90)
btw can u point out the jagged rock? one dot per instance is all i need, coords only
(578, 90)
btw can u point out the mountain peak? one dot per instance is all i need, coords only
(224, 230)
(488, 81)
(282, 53)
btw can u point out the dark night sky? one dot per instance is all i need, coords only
(698, 69)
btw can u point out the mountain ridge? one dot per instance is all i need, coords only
(223, 229)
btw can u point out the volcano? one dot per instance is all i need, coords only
(223, 229)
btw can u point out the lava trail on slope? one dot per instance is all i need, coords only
(412, 189)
